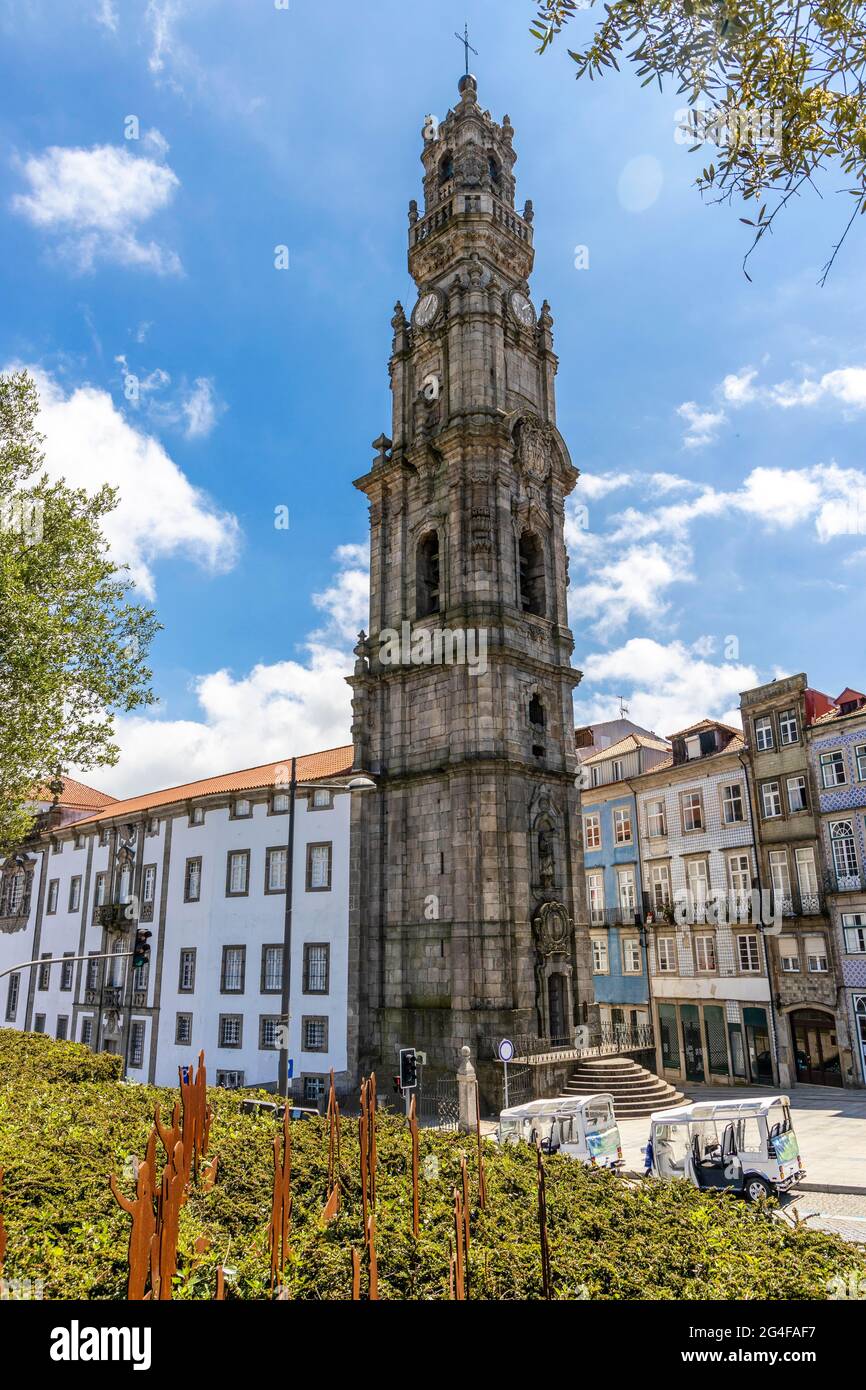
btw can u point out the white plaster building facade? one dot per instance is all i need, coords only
(205, 868)
(708, 973)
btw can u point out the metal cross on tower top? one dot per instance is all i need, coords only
(464, 39)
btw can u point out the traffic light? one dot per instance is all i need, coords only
(408, 1068)
(141, 949)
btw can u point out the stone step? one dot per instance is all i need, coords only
(636, 1092)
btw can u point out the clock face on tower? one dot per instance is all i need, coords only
(426, 310)
(522, 309)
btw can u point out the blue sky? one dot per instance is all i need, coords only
(718, 424)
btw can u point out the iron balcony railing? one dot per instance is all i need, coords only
(605, 1039)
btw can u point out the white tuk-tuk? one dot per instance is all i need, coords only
(581, 1127)
(743, 1146)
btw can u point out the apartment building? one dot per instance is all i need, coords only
(614, 891)
(709, 986)
(804, 964)
(203, 867)
(837, 751)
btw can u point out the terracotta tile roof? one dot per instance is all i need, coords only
(734, 745)
(77, 795)
(335, 762)
(629, 744)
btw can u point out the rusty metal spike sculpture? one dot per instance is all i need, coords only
(332, 1205)
(197, 1119)
(482, 1180)
(356, 1276)
(2, 1227)
(143, 1230)
(372, 1260)
(220, 1283)
(363, 1144)
(542, 1226)
(372, 1103)
(173, 1196)
(281, 1204)
(413, 1130)
(464, 1197)
(457, 1282)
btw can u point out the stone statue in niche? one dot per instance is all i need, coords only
(546, 857)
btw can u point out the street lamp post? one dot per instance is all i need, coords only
(357, 784)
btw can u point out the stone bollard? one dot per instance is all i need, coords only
(467, 1084)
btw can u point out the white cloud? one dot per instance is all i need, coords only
(106, 15)
(201, 409)
(271, 712)
(93, 200)
(594, 486)
(628, 584)
(702, 425)
(668, 686)
(737, 386)
(159, 513)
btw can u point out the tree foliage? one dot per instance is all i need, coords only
(72, 640)
(784, 80)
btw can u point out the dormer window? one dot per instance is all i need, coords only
(427, 576)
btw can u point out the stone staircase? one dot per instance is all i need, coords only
(636, 1091)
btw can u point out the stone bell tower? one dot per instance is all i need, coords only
(467, 916)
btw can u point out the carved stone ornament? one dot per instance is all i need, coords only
(553, 930)
(535, 443)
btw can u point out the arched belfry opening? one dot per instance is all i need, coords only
(446, 167)
(533, 597)
(427, 576)
(536, 713)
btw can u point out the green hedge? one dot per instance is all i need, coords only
(59, 1142)
(36, 1057)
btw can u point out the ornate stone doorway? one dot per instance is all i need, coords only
(554, 933)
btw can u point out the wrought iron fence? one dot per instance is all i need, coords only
(521, 1087)
(437, 1103)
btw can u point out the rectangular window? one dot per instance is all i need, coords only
(196, 815)
(53, 890)
(242, 809)
(319, 868)
(314, 1089)
(93, 969)
(272, 970)
(692, 811)
(622, 826)
(192, 881)
(66, 971)
(666, 955)
(75, 893)
(317, 968)
(45, 973)
(739, 875)
(231, 1030)
(186, 976)
(268, 1025)
(279, 803)
(780, 875)
(733, 809)
(148, 883)
(797, 799)
(237, 873)
(660, 886)
(632, 964)
(87, 1030)
(748, 955)
(764, 733)
(323, 799)
(39, 1023)
(99, 891)
(844, 853)
(136, 1044)
(626, 891)
(592, 832)
(816, 955)
(705, 953)
(771, 800)
(233, 969)
(789, 955)
(183, 1029)
(13, 990)
(595, 896)
(788, 728)
(854, 927)
(275, 870)
(698, 877)
(599, 956)
(833, 769)
(807, 877)
(656, 818)
(860, 755)
(314, 1035)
